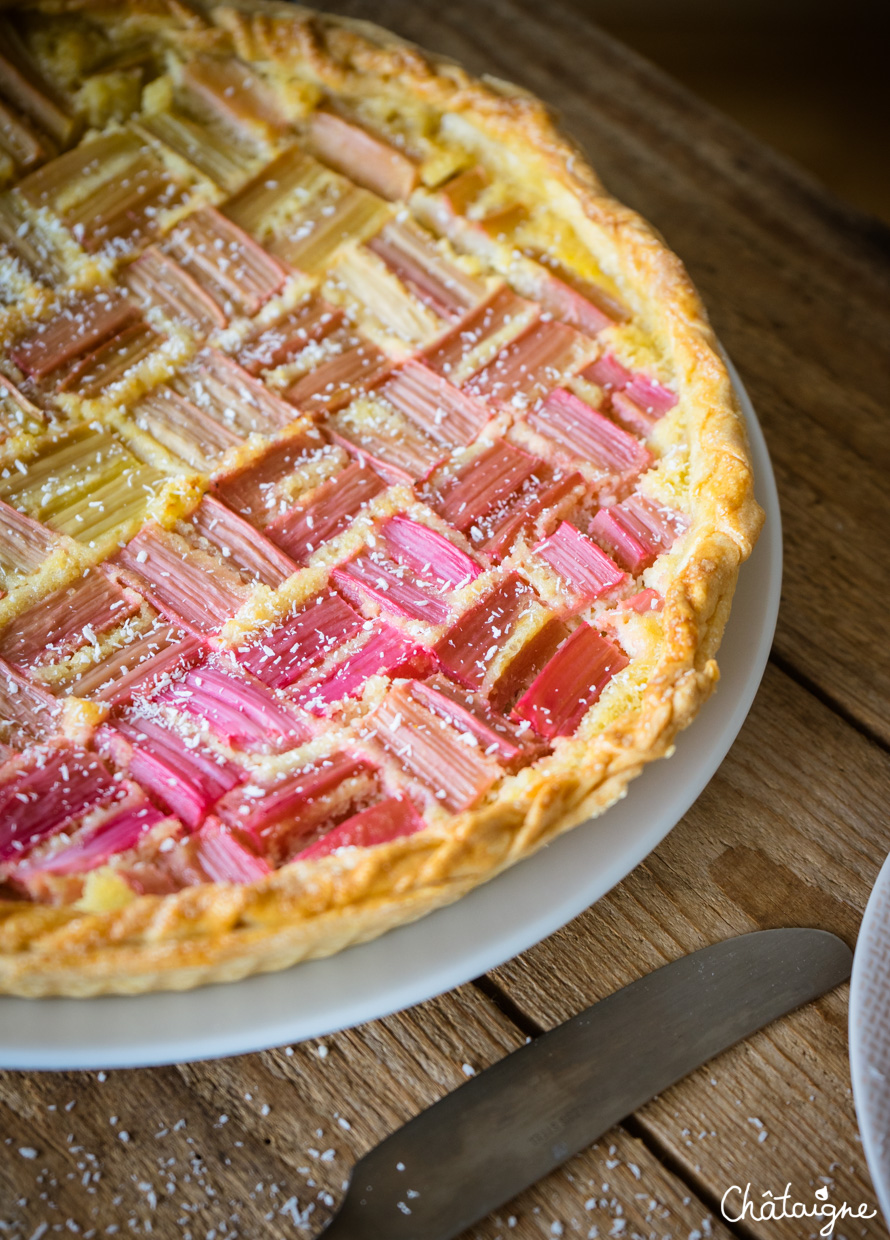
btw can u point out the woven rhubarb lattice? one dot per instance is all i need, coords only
(371, 496)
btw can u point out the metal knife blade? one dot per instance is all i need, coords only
(519, 1119)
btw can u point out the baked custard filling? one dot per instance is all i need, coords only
(341, 486)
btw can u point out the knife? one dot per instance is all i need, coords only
(527, 1114)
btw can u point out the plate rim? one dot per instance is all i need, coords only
(29, 1035)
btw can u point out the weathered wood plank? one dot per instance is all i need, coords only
(797, 284)
(779, 837)
(262, 1145)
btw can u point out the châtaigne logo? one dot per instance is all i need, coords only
(738, 1204)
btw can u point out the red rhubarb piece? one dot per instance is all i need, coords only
(397, 453)
(570, 683)
(235, 94)
(485, 482)
(449, 762)
(437, 407)
(237, 273)
(337, 381)
(565, 303)
(224, 858)
(188, 780)
(280, 657)
(643, 602)
(388, 820)
(310, 322)
(242, 546)
(139, 667)
(47, 789)
(540, 500)
(472, 643)
(62, 622)
(637, 531)
(365, 159)
(184, 586)
(386, 652)
(502, 310)
(367, 577)
(25, 705)
(75, 331)
(608, 373)
(587, 434)
(583, 566)
(156, 279)
(326, 512)
(253, 489)
(531, 365)
(24, 544)
(414, 257)
(468, 712)
(239, 710)
(650, 395)
(522, 670)
(116, 834)
(429, 553)
(326, 791)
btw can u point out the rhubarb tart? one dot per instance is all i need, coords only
(372, 493)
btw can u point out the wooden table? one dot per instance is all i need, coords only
(791, 831)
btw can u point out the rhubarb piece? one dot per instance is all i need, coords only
(582, 565)
(299, 804)
(100, 158)
(575, 426)
(637, 531)
(392, 819)
(24, 145)
(33, 248)
(311, 322)
(462, 190)
(28, 90)
(386, 652)
(66, 620)
(239, 710)
(140, 666)
(449, 762)
(608, 373)
(236, 273)
(233, 398)
(368, 578)
(185, 585)
(529, 661)
(184, 428)
(472, 644)
(643, 602)
(380, 438)
(259, 489)
(339, 215)
(243, 547)
(111, 360)
(540, 501)
(45, 790)
(187, 780)
(207, 147)
(27, 710)
(24, 544)
(434, 405)
(84, 483)
(224, 858)
(327, 511)
(280, 657)
(413, 256)
(498, 738)
(18, 414)
(485, 482)
(96, 846)
(563, 302)
(570, 683)
(235, 94)
(74, 332)
(156, 279)
(531, 365)
(428, 553)
(369, 161)
(381, 301)
(269, 200)
(339, 379)
(476, 338)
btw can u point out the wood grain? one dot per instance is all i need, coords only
(791, 831)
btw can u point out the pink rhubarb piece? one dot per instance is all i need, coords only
(365, 159)
(570, 683)
(637, 531)
(385, 652)
(587, 434)
(326, 512)
(280, 657)
(582, 565)
(240, 711)
(388, 820)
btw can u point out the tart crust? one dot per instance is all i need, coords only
(307, 909)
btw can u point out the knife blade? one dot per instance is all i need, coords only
(506, 1128)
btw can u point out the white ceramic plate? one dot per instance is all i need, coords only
(870, 1035)
(455, 944)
